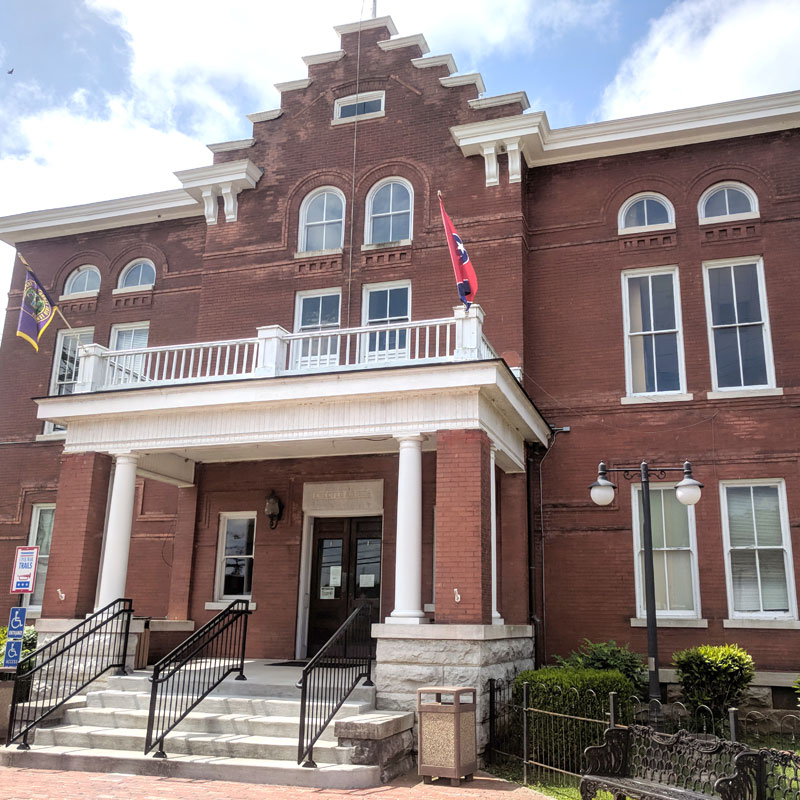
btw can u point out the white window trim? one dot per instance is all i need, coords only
(742, 187)
(35, 513)
(368, 212)
(141, 287)
(680, 393)
(301, 230)
(62, 334)
(767, 332)
(73, 276)
(300, 296)
(663, 226)
(219, 572)
(780, 484)
(641, 612)
(126, 326)
(361, 97)
(369, 287)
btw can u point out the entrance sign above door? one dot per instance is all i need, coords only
(343, 499)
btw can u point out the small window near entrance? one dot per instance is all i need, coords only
(40, 536)
(237, 534)
(330, 569)
(367, 584)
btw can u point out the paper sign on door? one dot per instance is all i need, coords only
(336, 576)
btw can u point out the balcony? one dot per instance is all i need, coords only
(275, 352)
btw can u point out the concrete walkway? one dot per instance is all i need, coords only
(40, 784)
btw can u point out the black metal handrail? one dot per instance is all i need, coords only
(330, 677)
(63, 667)
(194, 669)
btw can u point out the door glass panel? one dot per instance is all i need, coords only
(330, 569)
(367, 583)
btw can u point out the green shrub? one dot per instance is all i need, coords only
(608, 655)
(716, 676)
(28, 644)
(796, 686)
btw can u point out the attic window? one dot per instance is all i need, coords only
(367, 105)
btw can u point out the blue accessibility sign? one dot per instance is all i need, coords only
(12, 653)
(16, 622)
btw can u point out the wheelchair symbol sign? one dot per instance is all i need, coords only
(16, 622)
(12, 653)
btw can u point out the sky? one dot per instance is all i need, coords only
(108, 98)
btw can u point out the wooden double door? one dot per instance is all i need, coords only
(345, 573)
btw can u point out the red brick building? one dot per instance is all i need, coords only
(283, 327)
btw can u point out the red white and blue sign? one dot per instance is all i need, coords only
(23, 578)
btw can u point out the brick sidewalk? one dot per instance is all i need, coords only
(40, 784)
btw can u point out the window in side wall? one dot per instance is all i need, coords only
(66, 364)
(653, 335)
(40, 536)
(386, 304)
(235, 555)
(674, 554)
(727, 201)
(365, 105)
(646, 211)
(738, 325)
(317, 312)
(390, 217)
(322, 220)
(83, 279)
(140, 274)
(758, 549)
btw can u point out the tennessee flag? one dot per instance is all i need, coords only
(466, 280)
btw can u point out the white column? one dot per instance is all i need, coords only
(408, 550)
(114, 570)
(496, 618)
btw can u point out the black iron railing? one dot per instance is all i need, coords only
(195, 668)
(330, 677)
(60, 669)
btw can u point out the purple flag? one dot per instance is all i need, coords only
(36, 311)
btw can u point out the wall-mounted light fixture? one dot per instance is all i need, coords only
(274, 509)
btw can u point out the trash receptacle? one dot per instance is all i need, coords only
(447, 738)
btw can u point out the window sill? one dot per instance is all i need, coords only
(133, 289)
(733, 394)
(358, 118)
(666, 226)
(671, 622)
(384, 245)
(221, 605)
(778, 624)
(55, 436)
(33, 613)
(79, 295)
(728, 218)
(336, 251)
(642, 399)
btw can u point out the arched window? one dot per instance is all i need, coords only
(390, 205)
(322, 220)
(727, 201)
(83, 279)
(138, 274)
(646, 211)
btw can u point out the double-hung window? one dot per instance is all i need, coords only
(386, 305)
(66, 364)
(127, 369)
(322, 220)
(317, 313)
(653, 337)
(758, 550)
(739, 337)
(390, 217)
(235, 554)
(674, 554)
(40, 536)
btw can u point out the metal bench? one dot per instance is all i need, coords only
(771, 774)
(638, 762)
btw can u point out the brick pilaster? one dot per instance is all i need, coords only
(463, 530)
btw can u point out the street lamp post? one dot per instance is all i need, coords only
(688, 493)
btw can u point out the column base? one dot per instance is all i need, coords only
(497, 620)
(410, 620)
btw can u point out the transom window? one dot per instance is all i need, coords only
(235, 555)
(322, 220)
(83, 279)
(726, 201)
(646, 211)
(389, 211)
(674, 554)
(738, 325)
(139, 273)
(758, 549)
(654, 344)
(365, 105)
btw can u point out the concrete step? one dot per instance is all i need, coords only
(218, 745)
(264, 771)
(198, 721)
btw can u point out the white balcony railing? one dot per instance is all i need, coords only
(276, 352)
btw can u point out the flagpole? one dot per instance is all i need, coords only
(66, 321)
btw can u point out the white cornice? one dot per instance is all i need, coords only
(265, 116)
(366, 24)
(465, 80)
(541, 146)
(501, 100)
(323, 58)
(290, 86)
(226, 147)
(117, 213)
(405, 41)
(445, 60)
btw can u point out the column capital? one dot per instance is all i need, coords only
(409, 439)
(126, 458)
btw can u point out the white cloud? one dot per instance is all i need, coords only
(705, 51)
